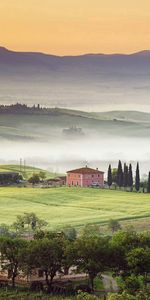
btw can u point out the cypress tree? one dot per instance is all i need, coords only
(109, 176)
(125, 176)
(148, 183)
(137, 178)
(130, 178)
(120, 175)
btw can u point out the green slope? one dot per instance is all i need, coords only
(47, 128)
(27, 171)
(73, 206)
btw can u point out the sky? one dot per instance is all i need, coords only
(72, 27)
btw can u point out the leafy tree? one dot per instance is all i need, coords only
(27, 222)
(122, 242)
(120, 175)
(70, 233)
(11, 256)
(139, 261)
(47, 255)
(42, 175)
(130, 178)
(4, 230)
(90, 230)
(109, 176)
(137, 178)
(34, 179)
(114, 225)
(92, 256)
(148, 183)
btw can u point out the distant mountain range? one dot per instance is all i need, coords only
(90, 81)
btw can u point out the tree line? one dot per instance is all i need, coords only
(123, 177)
(126, 254)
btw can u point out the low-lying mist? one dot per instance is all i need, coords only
(63, 153)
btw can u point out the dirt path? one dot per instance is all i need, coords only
(110, 284)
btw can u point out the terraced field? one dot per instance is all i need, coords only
(74, 206)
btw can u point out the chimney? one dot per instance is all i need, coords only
(97, 169)
(86, 166)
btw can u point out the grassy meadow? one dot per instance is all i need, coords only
(75, 206)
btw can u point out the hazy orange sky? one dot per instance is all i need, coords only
(75, 26)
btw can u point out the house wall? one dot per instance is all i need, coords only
(74, 179)
(85, 180)
(89, 179)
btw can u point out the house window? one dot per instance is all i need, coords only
(98, 175)
(72, 182)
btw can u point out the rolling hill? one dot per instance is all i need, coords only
(26, 171)
(87, 81)
(32, 127)
(77, 207)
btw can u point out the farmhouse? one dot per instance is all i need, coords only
(85, 177)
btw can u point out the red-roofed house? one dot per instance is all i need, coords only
(85, 177)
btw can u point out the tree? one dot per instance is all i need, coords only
(42, 175)
(114, 225)
(70, 233)
(139, 261)
(120, 175)
(114, 175)
(137, 178)
(130, 178)
(27, 222)
(11, 256)
(148, 183)
(4, 230)
(90, 230)
(125, 176)
(34, 179)
(122, 242)
(109, 176)
(47, 255)
(92, 256)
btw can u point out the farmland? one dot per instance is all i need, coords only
(75, 206)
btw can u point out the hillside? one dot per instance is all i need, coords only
(75, 206)
(88, 81)
(49, 126)
(130, 116)
(26, 171)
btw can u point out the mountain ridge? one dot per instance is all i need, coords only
(141, 52)
(82, 81)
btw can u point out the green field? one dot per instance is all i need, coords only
(74, 206)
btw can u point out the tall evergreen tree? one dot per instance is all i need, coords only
(130, 178)
(137, 178)
(120, 175)
(109, 176)
(148, 183)
(125, 176)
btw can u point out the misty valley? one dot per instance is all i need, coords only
(58, 139)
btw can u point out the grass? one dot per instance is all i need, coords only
(73, 206)
(27, 172)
